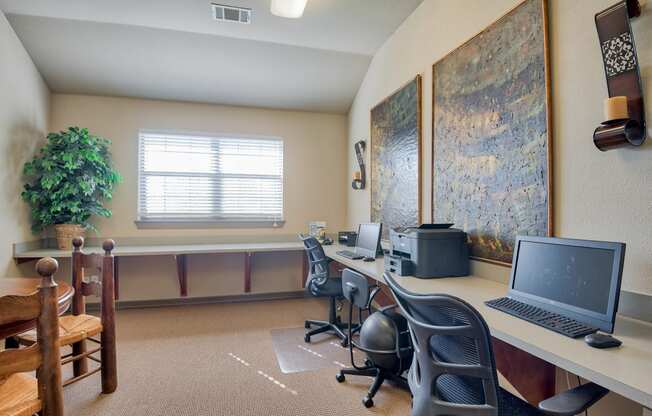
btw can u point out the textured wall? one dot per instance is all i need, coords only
(24, 108)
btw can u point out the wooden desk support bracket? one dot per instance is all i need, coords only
(182, 274)
(247, 271)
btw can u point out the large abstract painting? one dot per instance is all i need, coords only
(395, 158)
(492, 134)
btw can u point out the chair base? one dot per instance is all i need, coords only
(379, 375)
(337, 328)
(334, 325)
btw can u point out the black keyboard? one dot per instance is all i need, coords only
(550, 320)
(349, 254)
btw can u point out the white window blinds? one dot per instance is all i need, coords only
(185, 177)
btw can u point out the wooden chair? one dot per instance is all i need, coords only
(22, 394)
(77, 328)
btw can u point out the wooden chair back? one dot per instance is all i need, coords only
(96, 264)
(44, 356)
(102, 264)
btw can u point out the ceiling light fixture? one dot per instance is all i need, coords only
(292, 9)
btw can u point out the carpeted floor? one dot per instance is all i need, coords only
(219, 360)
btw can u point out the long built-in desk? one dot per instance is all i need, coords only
(626, 370)
(180, 252)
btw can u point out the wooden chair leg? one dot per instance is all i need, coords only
(108, 353)
(109, 363)
(80, 366)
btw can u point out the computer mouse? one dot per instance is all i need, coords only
(601, 341)
(369, 259)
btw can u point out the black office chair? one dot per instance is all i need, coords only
(454, 372)
(384, 337)
(320, 284)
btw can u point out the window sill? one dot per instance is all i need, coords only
(194, 224)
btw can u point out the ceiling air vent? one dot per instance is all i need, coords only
(231, 13)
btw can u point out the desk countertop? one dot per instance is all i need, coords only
(170, 249)
(626, 370)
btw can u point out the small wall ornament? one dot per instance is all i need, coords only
(359, 176)
(624, 123)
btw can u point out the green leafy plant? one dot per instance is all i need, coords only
(69, 179)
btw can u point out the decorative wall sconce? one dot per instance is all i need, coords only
(359, 176)
(624, 123)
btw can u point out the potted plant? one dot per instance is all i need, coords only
(68, 182)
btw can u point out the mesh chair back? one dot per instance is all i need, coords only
(317, 260)
(454, 372)
(355, 288)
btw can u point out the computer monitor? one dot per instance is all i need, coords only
(579, 279)
(368, 240)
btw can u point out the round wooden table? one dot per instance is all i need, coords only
(27, 286)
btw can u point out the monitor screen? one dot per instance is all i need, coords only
(585, 275)
(578, 276)
(368, 239)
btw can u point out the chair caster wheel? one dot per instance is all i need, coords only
(340, 378)
(368, 402)
(307, 338)
(344, 343)
(306, 325)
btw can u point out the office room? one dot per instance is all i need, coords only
(316, 207)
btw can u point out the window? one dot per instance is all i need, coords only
(191, 177)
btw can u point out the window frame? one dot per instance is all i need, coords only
(148, 223)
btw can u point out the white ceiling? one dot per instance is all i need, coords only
(172, 49)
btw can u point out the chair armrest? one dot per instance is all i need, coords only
(374, 292)
(387, 308)
(573, 401)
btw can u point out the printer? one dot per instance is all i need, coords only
(428, 251)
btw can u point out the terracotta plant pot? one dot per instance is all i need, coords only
(66, 232)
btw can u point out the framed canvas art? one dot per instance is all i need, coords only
(492, 134)
(396, 158)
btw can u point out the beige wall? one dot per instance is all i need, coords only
(24, 108)
(596, 195)
(604, 196)
(314, 163)
(315, 168)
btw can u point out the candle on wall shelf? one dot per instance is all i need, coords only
(615, 108)
(624, 112)
(359, 176)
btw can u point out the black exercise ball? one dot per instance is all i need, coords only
(379, 332)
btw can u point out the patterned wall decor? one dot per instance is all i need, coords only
(492, 134)
(619, 55)
(396, 158)
(622, 70)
